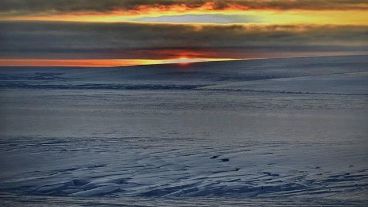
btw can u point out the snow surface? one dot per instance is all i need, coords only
(242, 133)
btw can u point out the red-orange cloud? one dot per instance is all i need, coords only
(178, 5)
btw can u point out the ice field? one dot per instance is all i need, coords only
(271, 132)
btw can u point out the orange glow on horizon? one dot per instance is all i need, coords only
(101, 62)
(181, 60)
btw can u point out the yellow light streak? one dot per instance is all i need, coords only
(318, 17)
(101, 62)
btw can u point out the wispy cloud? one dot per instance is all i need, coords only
(199, 18)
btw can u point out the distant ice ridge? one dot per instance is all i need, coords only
(325, 75)
(244, 133)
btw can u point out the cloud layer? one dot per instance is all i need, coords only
(157, 41)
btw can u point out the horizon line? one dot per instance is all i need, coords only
(178, 63)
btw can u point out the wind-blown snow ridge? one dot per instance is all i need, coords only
(252, 170)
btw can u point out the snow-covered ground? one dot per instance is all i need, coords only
(242, 133)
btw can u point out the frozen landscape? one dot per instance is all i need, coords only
(267, 132)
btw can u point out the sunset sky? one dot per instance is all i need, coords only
(134, 32)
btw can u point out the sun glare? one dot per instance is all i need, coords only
(183, 60)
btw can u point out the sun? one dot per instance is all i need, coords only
(183, 60)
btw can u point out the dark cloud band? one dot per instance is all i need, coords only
(123, 40)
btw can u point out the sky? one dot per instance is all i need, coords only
(108, 33)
